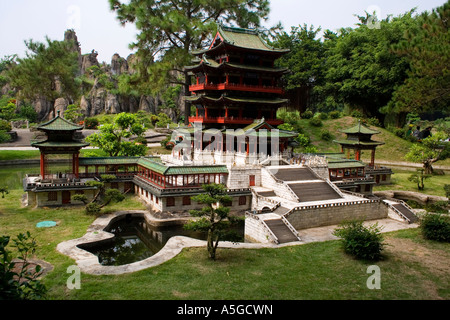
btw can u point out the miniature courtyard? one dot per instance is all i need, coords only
(226, 159)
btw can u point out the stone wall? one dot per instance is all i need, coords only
(255, 230)
(41, 199)
(336, 213)
(280, 189)
(239, 177)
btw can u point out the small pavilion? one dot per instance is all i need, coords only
(60, 141)
(359, 138)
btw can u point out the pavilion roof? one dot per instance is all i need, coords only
(242, 38)
(59, 144)
(360, 128)
(59, 124)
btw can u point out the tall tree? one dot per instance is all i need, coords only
(170, 29)
(427, 49)
(49, 71)
(305, 60)
(361, 69)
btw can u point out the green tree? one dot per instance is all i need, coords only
(426, 47)
(73, 113)
(170, 29)
(103, 197)
(214, 217)
(419, 178)
(305, 60)
(361, 71)
(429, 151)
(8, 112)
(111, 137)
(49, 71)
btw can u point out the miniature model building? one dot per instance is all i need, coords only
(235, 81)
(232, 140)
(359, 138)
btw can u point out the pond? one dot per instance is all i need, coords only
(135, 240)
(12, 176)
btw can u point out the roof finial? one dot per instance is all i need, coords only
(59, 112)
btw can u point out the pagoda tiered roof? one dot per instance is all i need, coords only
(359, 136)
(224, 98)
(209, 64)
(240, 39)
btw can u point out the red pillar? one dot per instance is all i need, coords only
(42, 165)
(358, 154)
(372, 158)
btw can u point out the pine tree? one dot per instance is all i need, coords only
(170, 29)
(48, 71)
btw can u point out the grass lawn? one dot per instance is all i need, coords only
(433, 185)
(413, 268)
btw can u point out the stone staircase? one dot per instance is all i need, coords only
(281, 231)
(314, 191)
(404, 211)
(306, 185)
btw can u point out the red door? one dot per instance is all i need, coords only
(66, 197)
(252, 181)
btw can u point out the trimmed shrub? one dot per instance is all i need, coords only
(316, 122)
(91, 123)
(359, 241)
(335, 114)
(307, 114)
(326, 135)
(436, 227)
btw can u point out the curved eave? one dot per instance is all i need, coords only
(205, 66)
(225, 46)
(229, 99)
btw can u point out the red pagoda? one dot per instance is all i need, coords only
(235, 81)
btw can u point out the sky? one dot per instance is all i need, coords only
(98, 29)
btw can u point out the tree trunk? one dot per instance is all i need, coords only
(428, 168)
(211, 247)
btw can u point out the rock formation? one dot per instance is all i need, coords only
(99, 88)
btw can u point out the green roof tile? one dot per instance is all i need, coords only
(59, 124)
(108, 161)
(360, 128)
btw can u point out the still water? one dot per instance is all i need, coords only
(136, 240)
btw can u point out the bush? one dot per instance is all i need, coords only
(5, 125)
(436, 227)
(326, 135)
(357, 114)
(335, 114)
(359, 241)
(20, 283)
(307, 114)
(374, 122)
(316, 122)
(91, 123)
(323, 116)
